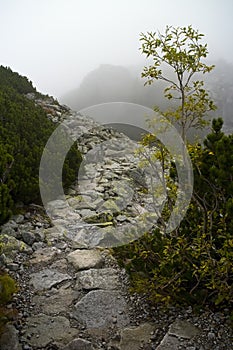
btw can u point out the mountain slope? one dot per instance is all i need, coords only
(24, 131)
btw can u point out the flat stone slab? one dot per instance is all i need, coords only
(86, 212)
(47, 278)
(44, 255)
(60, 265)
(106, 278)
(178, 331)
(109, 206)
(169, 343)
(183, 329)
(101, 309)
(79, 344)
(42, 330)
(82, 259)
(57, 204)
(58, 302)
(135, 337)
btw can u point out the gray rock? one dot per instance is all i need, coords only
(63, 213)
(109, 206)
(44, 255)
(54, 233)
(31, 95)
(183, 329)
(81, 203)
(211, 336)
(39, 236)
(57, 204)
(99, 309)
(86, 213)
(79, 344)
(60, 265)
(28, 237)
(100, 188)
(91, 193)
(26, 226)
(95, 155)
(9, 230)
(47, 278)
(37, 245)
(18, 218)
(135, 337)
(85, 259)
(9, 339)
(4, 260)
(104, 237)
(11, 246)
(123, 189)
(27, 215)
(10, 224)
(178, 331)
(59, 300)
(78, 237)
(42, 330)
(121, 218)
(13, 266)
(106, 278)
(169, 343)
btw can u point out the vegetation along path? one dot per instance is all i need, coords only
(72, 293)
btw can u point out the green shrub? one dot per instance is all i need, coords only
(7, 288)
(24, 132)
(179, 269)
(193, 264)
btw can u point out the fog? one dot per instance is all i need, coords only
(56, 43)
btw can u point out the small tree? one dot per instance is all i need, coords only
(181, 50)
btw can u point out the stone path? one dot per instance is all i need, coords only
(72, 293)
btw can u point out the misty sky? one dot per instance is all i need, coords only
(55, 43)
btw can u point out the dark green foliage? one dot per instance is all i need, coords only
(194, 264)
(7, 288)
(24, 131)
(6, 203)
(13, 80)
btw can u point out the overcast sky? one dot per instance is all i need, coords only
(55, 43)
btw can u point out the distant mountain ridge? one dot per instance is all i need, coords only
(109, 83)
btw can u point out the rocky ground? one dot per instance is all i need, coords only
(72, 293)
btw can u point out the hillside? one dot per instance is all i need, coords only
(24, 131)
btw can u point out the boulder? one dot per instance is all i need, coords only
(100, 309)
(82, 259)
(106, 278)
(79, 344)
(47, 278)
(28, 237)
(59, 300)
(42, 330)
(183, 329)
(44, 255)
(135, 337)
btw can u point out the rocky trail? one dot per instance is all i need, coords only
(72, 294)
